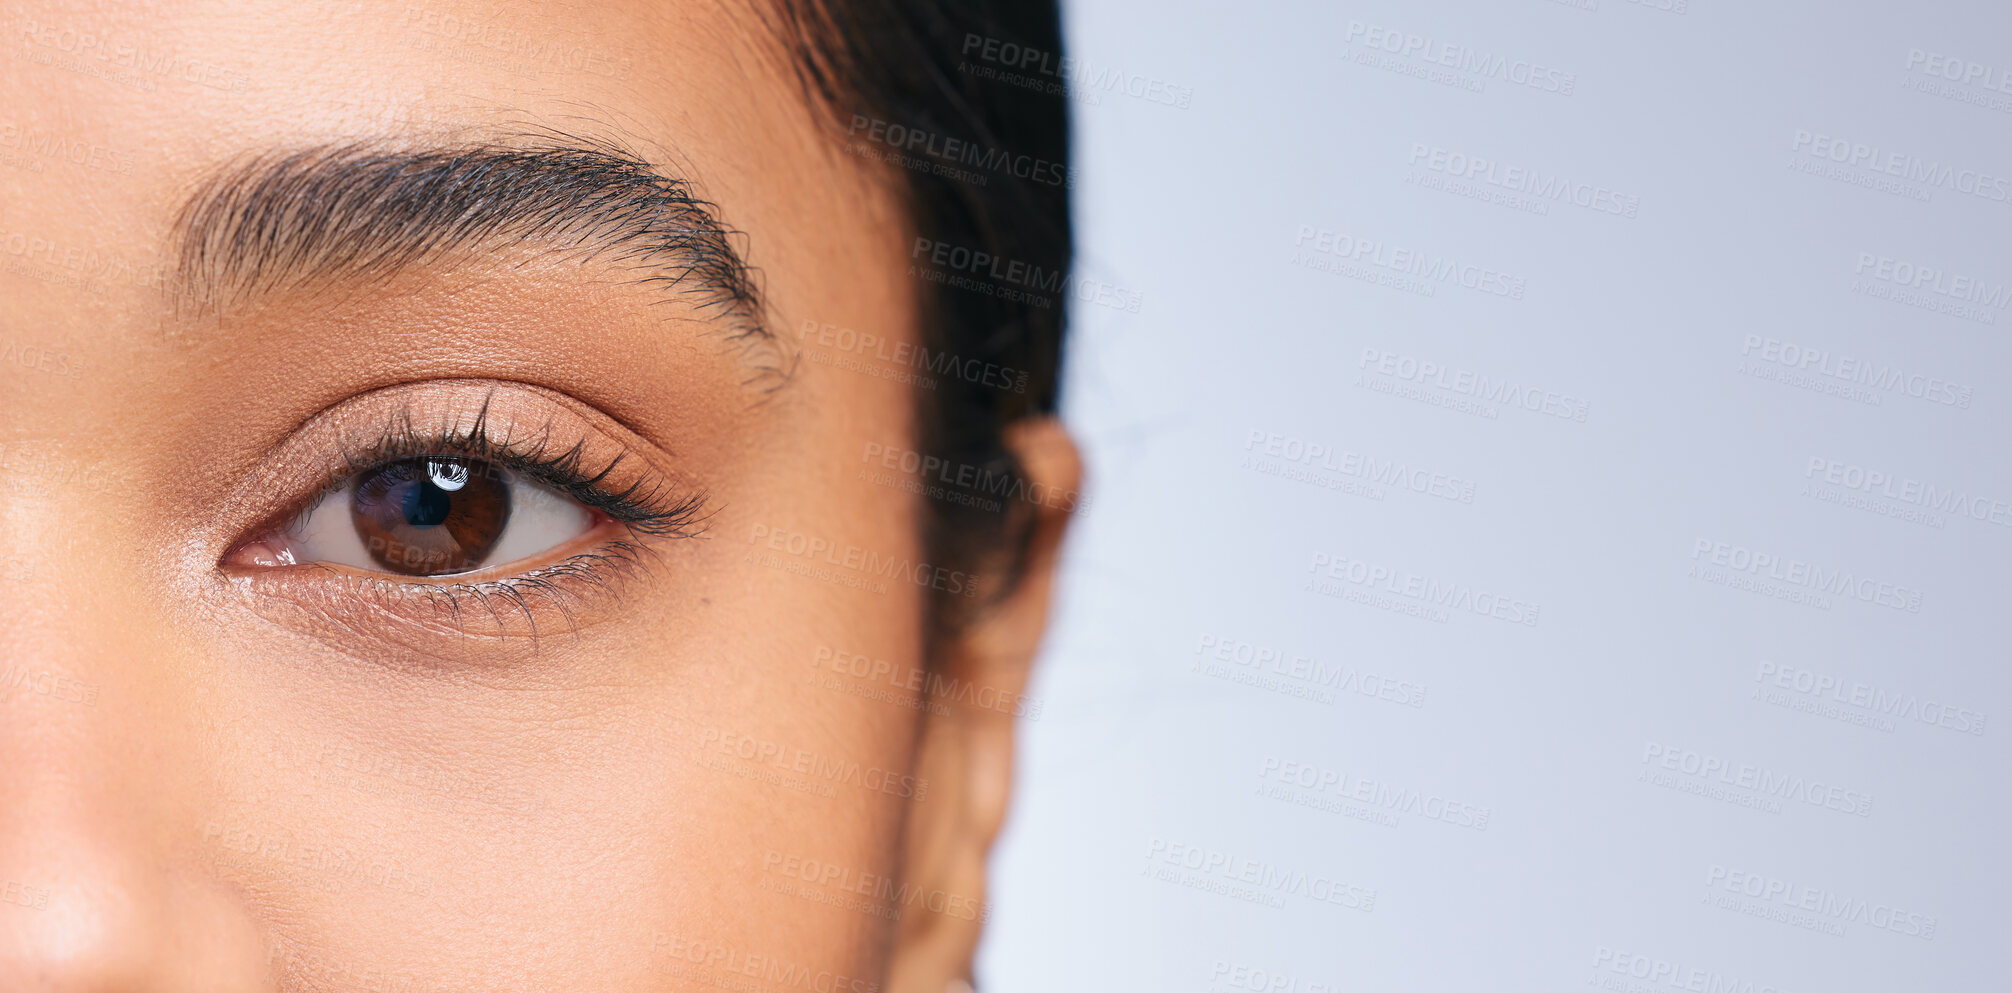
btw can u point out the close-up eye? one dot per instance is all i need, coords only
(428, 516)
(456, 486)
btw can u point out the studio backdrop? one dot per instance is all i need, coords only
(1548, 507)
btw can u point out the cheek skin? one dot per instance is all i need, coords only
(677, 783)
(661, 804)
(672, 796)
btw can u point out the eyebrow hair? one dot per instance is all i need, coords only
(359, 211)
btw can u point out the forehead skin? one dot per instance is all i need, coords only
(239, 793)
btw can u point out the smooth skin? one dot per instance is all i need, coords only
(218, 777)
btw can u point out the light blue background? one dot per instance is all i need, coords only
(1583, 864)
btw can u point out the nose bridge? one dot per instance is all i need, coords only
(102, 883)
(68, 549)
(80, 631)
(81, 860)
(93, 898)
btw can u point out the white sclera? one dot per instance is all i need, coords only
(541, 519)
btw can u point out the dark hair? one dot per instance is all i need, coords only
(919, 65)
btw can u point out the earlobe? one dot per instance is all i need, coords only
(966, 746)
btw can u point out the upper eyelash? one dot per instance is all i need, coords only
(650, 505)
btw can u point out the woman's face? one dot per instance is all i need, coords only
(429, 565)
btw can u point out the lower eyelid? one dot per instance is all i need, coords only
(448, 620)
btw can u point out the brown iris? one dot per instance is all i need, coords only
(430, 516)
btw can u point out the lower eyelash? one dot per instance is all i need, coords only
(561, 586)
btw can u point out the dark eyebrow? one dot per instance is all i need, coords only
(358, 211)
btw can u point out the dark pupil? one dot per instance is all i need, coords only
(430, 516)
(426, 505)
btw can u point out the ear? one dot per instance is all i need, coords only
(966, 747)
